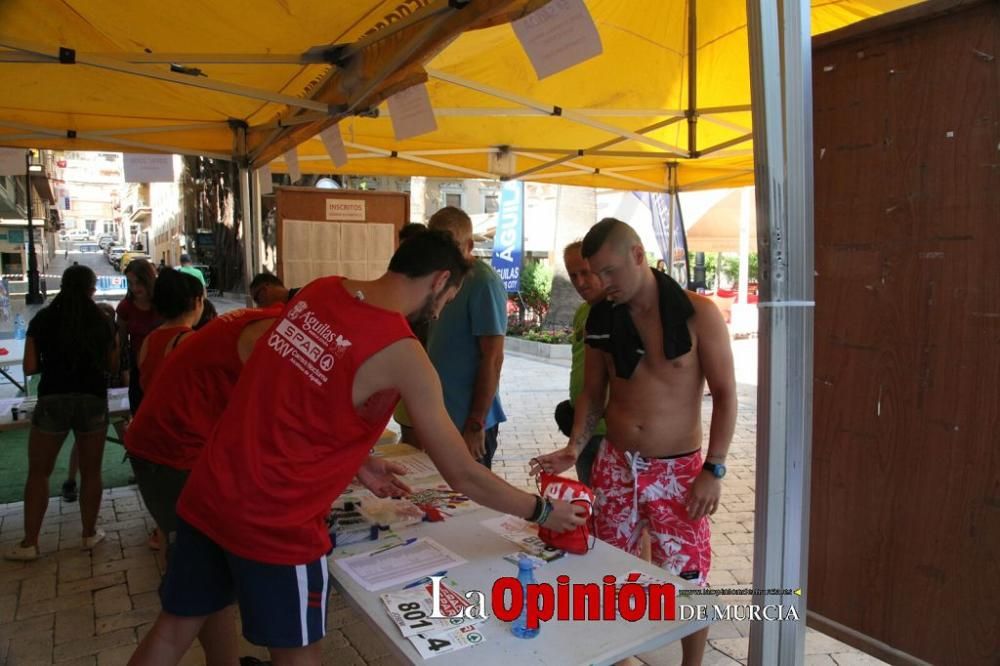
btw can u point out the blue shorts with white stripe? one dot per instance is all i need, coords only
(282, 606)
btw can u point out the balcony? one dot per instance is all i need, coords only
(140, 212)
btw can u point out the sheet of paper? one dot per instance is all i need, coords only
(381, 243)
(334, 145)
(354, 243)
(292, 161)
(447, 641)
(374, 270)
(354, 270)
(557, 36)
(297, 273)
(320, 269)
(295, 240)
(411, 112)
(324, 241)
(525, 535)
(403, 564)
(417, 465)
(411, 609)
(152, 168)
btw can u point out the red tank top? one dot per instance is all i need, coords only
(156, 343)
(291, 439)
(195, 382)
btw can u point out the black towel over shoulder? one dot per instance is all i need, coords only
(610, 327)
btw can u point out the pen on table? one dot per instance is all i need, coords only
(425, 579)
(395, 545)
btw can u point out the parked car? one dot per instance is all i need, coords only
(105, 240)
(115, 256)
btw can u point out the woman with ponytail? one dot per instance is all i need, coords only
(72, 344)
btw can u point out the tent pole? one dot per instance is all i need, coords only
(671, 219)
(249, 238)
(781, 91)
(246, 211)
(692, 110)
(258, 220)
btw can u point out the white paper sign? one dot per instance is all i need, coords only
(557, 36)
(13, 161)
(264, 178)
(148, 168)
(411, 112)
(292, 161)
(345, 209)
(385, 567)
(334, 143)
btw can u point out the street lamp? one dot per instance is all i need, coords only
(34, 296)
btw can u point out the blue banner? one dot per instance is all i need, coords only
(111, 283)
(508, 243)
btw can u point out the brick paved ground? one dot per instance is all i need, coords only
(76, 608)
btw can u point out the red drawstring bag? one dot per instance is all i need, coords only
(560, 488)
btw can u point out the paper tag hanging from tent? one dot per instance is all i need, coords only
(153, 168)
(292, 162)
(334, 143)
(411, 112)
(13, 161)
(264, 179)
(557, 36)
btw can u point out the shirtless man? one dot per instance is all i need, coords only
(654, 345)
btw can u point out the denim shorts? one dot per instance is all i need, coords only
(62, 412)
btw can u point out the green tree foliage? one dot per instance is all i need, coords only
(536, 287)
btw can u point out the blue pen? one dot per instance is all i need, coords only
(396, 545)
(424, 580)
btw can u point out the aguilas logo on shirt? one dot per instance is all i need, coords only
(308, 342)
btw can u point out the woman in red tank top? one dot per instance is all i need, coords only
(179, 299)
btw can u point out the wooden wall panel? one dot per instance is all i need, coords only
(905, 516)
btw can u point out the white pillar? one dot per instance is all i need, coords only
(781, 92)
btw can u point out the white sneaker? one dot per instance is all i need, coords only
(21, 553)
(91, 541)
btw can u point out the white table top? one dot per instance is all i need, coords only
(15, 352)
(559, 642)
(117, 405)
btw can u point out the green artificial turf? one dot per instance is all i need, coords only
(14, 465)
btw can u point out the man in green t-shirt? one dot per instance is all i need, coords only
(189, 268)
(588, 286)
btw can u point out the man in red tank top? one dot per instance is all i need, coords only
(173, 423)
(313, 399)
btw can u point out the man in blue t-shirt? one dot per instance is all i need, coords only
(466, 344)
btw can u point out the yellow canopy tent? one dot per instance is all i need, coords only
(221, 79)
(618, 120)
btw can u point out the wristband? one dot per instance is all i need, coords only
(537, 513)
(546, 511)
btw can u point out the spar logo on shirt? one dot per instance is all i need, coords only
(308, 342)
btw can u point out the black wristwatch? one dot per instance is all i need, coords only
(474, 424)
(718, 470)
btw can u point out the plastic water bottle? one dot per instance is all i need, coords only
(525, 574)
(19, 328)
